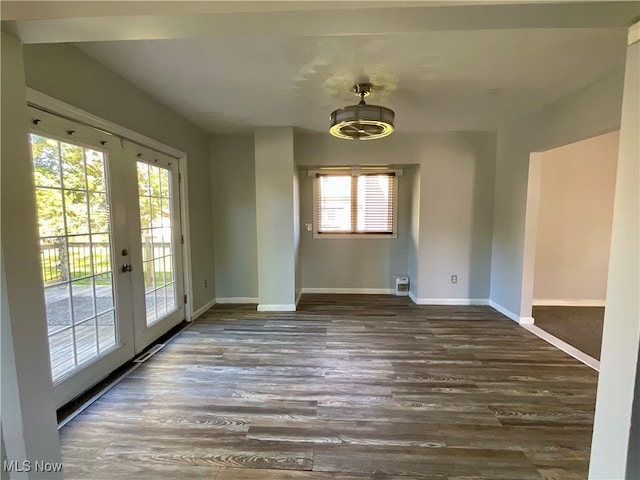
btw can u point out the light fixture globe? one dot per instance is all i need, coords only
(362, 121)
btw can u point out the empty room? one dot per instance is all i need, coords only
(317, 240)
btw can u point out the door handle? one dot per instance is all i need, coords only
(126, 268)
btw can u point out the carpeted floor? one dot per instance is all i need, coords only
(578, 326)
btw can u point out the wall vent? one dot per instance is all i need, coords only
(402, 286)
(149, 353)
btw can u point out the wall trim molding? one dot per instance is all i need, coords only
(289, 307)
(365, 291)
(508, 313)
(37, 98)
(551, 302)
(413, 298)
(564, 346)
(449, 301)
(243, 300)
(199, 312)
(504, 311)
(298, 297)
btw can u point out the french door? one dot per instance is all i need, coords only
(158, 288)
(110, 248)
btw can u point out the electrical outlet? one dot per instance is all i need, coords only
(308, 227)
(454, 278)
(205, 283)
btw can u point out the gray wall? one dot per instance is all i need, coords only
(353, 262)
(64, 72)
(577, 185)
(234, 213)
(444, 215)
(455, 214)
(274, 179)
(587, 113)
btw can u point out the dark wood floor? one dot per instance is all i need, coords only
(349, 387)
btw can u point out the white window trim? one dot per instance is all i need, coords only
(354, 169)
(370, 236)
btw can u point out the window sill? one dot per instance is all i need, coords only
(379, 236)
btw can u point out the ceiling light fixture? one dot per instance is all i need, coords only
(362, 121)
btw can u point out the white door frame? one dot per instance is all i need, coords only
(146, 334)
(530, 238)
(529, 262)
(58, 107)
(85, 375)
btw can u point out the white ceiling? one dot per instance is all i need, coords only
(437, 70)
(452, 80)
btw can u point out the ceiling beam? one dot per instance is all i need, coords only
(368, 20)
(48, 9)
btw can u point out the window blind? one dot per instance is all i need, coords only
(360, 204)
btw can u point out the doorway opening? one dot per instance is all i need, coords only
(569, 218)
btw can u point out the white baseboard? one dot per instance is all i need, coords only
(298, 297)
(551, 302)
(199, 312)
(564, 346)
(513, 316)
(237, 300)
(277, 308)
(367, 291)
(448, 301)
(504, 311)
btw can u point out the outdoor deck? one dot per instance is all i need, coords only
(88, 321)
(92, 334)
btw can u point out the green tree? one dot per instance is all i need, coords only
(70, 189)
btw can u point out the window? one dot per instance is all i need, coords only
(355, 205)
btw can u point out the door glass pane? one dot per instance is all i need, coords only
(51, 223)
(95, 172)
(75, 251)
(171, 301)
(76, 212)
(99, 212)
(104, 292)
(46, 161)
(61, 348)
(156, 198)
(86, 340)
(80, 264)
(106, 331)
(73, 167)
(101, 254)
(58, 300)
(83, 300)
